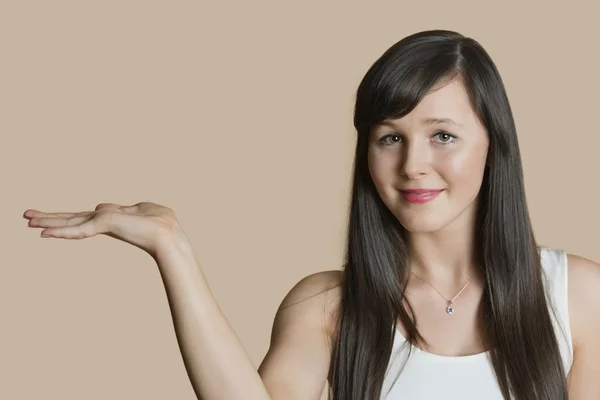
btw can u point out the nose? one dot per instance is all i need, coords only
(416, 160)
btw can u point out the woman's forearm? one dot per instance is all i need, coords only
(217, 364)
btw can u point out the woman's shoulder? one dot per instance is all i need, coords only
(300, 348)
(583, 290)
(584, 315)
(584, 298)
(319, 294)
(321, 284)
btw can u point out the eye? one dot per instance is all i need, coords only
(385, 140)
(445, 137)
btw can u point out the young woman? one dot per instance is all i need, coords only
(444, 293)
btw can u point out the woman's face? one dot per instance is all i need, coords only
(418, 152)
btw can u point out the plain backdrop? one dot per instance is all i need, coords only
(238, 115)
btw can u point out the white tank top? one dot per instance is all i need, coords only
(431, 376)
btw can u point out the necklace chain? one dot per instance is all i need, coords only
(449, 308)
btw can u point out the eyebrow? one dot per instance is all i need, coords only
(428, 121)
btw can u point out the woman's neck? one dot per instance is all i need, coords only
(444, 259)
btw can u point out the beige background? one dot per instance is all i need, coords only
(239, 117)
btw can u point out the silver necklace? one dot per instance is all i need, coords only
(449, 308)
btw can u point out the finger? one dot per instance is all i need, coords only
(92, 227)
(56, 222)
(38, 214)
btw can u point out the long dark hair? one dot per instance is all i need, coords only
(518, 328)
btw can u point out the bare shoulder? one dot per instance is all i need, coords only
(319, 283)
(319, 294)
(584, 294)
(297, 362)
(584, 313)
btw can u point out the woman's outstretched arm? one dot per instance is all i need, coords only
(217, 364)
(296, 365)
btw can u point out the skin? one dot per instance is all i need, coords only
(296, 364)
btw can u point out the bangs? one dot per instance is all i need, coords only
(391, 93)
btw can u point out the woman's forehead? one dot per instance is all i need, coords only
(449, 105)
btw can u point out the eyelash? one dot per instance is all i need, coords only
(453, 138)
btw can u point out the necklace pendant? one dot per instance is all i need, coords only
(450, 309)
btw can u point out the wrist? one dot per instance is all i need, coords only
(173, 244)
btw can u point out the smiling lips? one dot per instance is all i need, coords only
(419, 196)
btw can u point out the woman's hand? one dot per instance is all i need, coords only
(145, 225)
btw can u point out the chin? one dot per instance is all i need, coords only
(415, 228)
(422, 224)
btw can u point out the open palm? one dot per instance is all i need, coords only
(142, 224)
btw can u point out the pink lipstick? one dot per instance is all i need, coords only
(420, 196)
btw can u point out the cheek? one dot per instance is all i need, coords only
(381, 169)
(463, 170)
